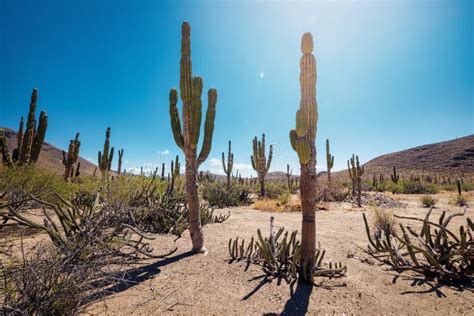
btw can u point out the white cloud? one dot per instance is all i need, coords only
(215, 162)
(164, 152)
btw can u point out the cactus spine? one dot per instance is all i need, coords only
(329, 162)
(260, 163)
(230, 163)
(120, 155)
(187, 136)
(105, 157)
(303, 141)
(71, 157)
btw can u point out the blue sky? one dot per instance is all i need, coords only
(391, 74)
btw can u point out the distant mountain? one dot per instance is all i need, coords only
(50, 156)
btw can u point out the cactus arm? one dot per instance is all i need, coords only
(195, 112)
(270, 156)
(208, 126)
(39, 137)
(175, 120)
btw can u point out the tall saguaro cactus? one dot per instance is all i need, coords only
(395, 177)
(71, 157)
(105, 157)
(288, 176)
(230, 163)
(120, 156)
(6, 158)
(329, 162)
(303, 141)
(351, 168)
(187, 136)
(260, 163)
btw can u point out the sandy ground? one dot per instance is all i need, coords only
(208, 284)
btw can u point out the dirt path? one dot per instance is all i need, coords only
(208, 284)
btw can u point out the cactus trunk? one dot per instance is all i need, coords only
(192, 198)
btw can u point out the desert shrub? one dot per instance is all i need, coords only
(220, 195)
(412, 187)
(273, 190)
(44, 283)
(428, 201)
(383, 222)
(19, 182)
(435, 251)
(459, 200)
(337, 193)
(268, 205)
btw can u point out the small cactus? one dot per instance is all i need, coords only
(106, 156)
(260, 163)
(71, 157)
(395, 177)
(329, 162)
(230, 163)
(288, 176)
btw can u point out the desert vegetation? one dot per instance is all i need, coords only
(88, 230)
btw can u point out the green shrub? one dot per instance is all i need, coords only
(218, 194)
(20, 181)
(428, 201)
(412, 187)
(274, 190)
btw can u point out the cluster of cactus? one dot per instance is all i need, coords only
(329, 162)
(30, 141)
(70, 158)
(206, 177)
(173, 176)
(434, 251)
(260, 163)
(187, 138)
(280, 257)
(230, 163)
(106, 156)
(355, 173)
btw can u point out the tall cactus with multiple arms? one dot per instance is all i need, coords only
(105, 157)
(329, 162)
(71, 157)
(230, 163)
(260, 163)
(303, 141)
(21, 134)
(186, 135)
(120, 156)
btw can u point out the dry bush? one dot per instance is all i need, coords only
(337, 193)
(435, 251)
(383, 222)
(459, 200)
(220, 195)
(428, 201)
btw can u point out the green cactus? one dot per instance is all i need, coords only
(31, 141)
(395, 177)
(288, 176)
(260, 163)
(105, 157)
(351, 169)
(71, 157)
(6, 158)
(163, 171)
(120, 155)
(329, 162)
(186, 134)
(77, 173)
(175, 167)
(303, 141)
(230, 163)
(355, 173)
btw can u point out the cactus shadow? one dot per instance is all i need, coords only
(431, 285)
(299, 299)
(124, 280)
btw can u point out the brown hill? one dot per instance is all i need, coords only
(51, 156)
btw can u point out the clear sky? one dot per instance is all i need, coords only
(391, 74)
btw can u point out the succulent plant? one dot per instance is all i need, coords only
(230, 163)
(186, 133)
(106, 156)
(70, 158)
(260, 163)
